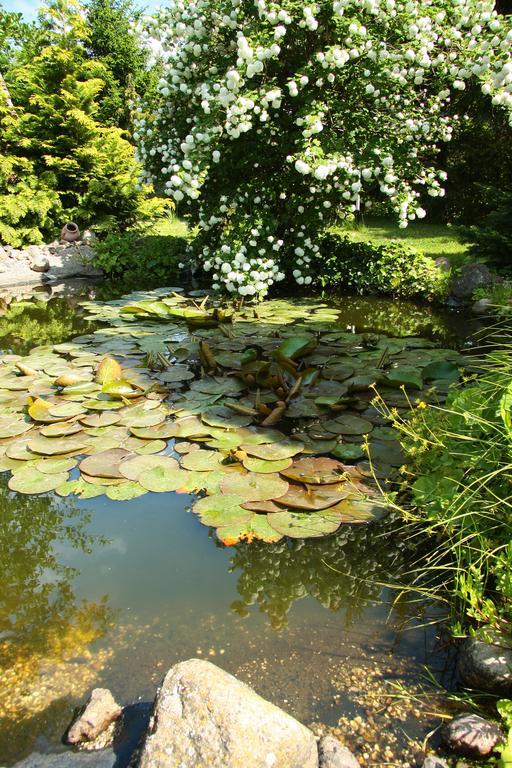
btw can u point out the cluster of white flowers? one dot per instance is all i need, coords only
(266, 132)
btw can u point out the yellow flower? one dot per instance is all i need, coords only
(421, 404)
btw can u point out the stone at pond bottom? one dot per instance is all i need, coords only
(332, 754)
(434, 762)
(486, 666)
(471, 277)
(471, 736)
(205, 717)
(99, 713)
(104, 758)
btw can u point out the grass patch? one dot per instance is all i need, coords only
(432, 240)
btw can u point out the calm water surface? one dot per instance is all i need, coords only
(98, 592)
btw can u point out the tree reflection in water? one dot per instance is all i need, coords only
(345, 571)
(43, 627)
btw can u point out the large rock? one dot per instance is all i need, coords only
(105, 758)
(39, 263)
(471, 277)
(332, 754)
(100, 712)
(486, 666)
(471, 736)
(205, 717)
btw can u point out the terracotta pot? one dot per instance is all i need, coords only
(70, 232)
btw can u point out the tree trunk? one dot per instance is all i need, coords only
(5, 91)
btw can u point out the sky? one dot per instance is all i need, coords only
(29, 7)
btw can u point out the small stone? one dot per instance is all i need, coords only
(434, 762)
(99, 713)
(481, 307)
(205, 716)
(471, 736)
(443, 264)
(39, 264)
(487, 666)
(332, 754)
(104, 758)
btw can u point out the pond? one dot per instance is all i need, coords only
(99, 592)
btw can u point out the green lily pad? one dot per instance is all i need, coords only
(201, 461)
(285, 449)
(80, 488)
(105, 419)
(257, 528)
(224, 417)
(54, 446)
(61, 429)
(121, 388)
(441, 369)
(132, 468)
(304, 525)
(103, 405)
(221, 509)
(408, 377)
(312, 497)
(265, 467)
(12, 427)
(125, 491)
(31, 481)
(315, 471)
(348, 452)
(295, 346)
(254, 487)
(162, 480)
(348, 424)
(147, 447)
(55, 466)
(66, 410)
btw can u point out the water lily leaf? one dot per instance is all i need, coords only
(257, 528)
(54, 446)
(132, 468)
(217, 386)
(410, 377)
(220, 416)
(102, 481)
(304, 525)
(55, 466)
(81, 388)
(348, 452)
(176, 373)
(161, 431)
(348, 424)
(202, 461)
(104, 463)
(138, 417)
(265, 467)
(185, 447)
(125, 491)
(66, 410)
(262, 507)
(108, 370)
(12, 427)
(146, 447)
(103, 405)
(121, 388)
(295, 347)
(254, 487)
(315, 471)
(274, 451)
(312, 497)
(162, 480)
(357, 511)
(105, 419)
(61, 429)
(221, 509)
(80, 488)
(70, 378)
(441, 369)
(19, 450)
(31, 481)
(39, 410)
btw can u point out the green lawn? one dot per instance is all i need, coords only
(433, 239)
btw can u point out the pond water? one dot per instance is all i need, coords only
(99, 592)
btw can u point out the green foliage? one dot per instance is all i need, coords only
(141, 259)
(491, 238)
(461, 491)
(395, 268)
(499, 295)
(112, 41)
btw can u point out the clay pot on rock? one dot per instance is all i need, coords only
(70, 232)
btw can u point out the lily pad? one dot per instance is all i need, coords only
(100, 419)
(304, 525)
(312, 497)
(132, 468)
(221, 509)
(61, 429)
(12, 427)
(125, 492)
(103, 405)
(284, 449)
(162, 480)
(55, 466)
(54, 446)
(105, 463)
(348, 452)
(315, 471)
(66, 410)
(31, 481)
(265, 467)
(257, 528)
(201, 461)
(254, 487)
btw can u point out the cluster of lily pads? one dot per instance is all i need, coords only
(266, 413)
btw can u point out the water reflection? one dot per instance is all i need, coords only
(44, 629)
(342, 572)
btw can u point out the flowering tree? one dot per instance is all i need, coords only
(276, 117)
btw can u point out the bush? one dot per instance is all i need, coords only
(460, 490)
(492, 238)
(393, 269)
(275, 119)
(141, 260)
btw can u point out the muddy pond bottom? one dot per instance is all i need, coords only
(104, 593)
